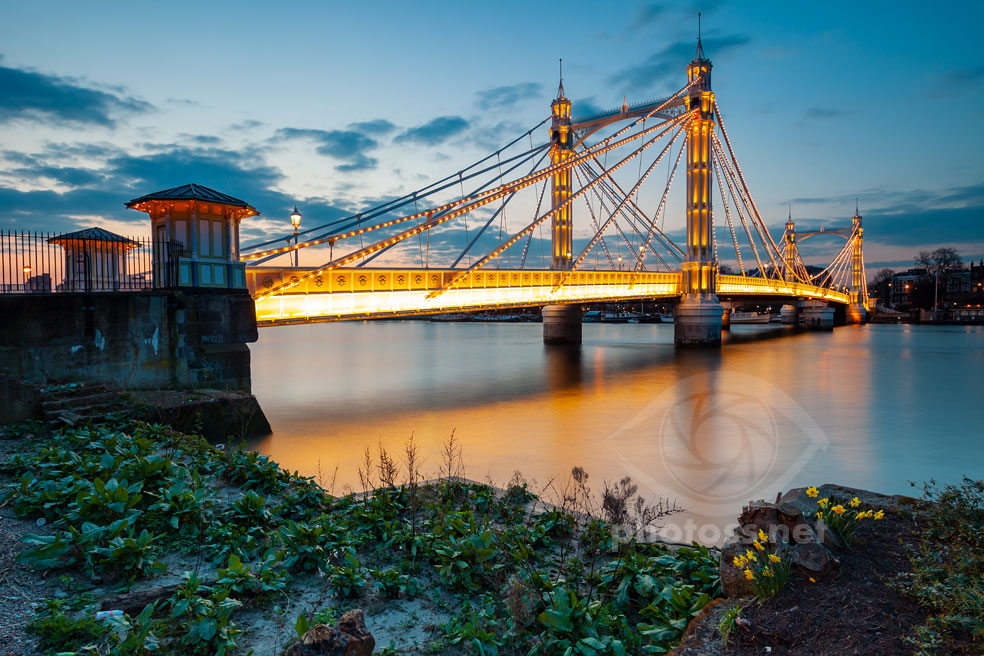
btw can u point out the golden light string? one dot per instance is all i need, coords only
(594, 240)
(661, 206)
(574, 160)
(594, 221)
(760, 228)
(727, 213)
(741, 216)
(612, 196)
(606, 192)
(741, 175)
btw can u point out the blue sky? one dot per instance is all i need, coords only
(333, 106)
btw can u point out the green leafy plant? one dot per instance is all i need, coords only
(203, 620)
(727, 624)
(263, 578)
(948, 570)
(305, 547)
(130, 556)
(347, 579)
(393, 584)
(58, 632)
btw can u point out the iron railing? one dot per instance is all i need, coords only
(86, 261)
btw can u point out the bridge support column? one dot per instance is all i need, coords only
(856, 313)
(789, 314)
(562, 324)
(697, 320)
(816, 315)
(726, 314)
(697, 323)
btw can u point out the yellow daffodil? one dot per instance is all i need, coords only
(812, 580)
(774, 558)
(823, 502)
(739, 562)
(812, 491)
(762, 536)
(819, 515)
(749, 575)
(758, 546)
(880, 514)
(839, 509)
(855, 502)
(749, 555)
(767, 571)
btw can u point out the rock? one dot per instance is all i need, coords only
(813, 559)
(349, 638)
(733, 581)
(828, 536)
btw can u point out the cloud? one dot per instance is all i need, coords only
(37, 97)
(825, 112)
(347, 145)
(646, 15)
(248, 124)
(963, 75)
(201, 139)
(667, 64)
(583, 107)
(376, 127)
(67, 175)
(434, 132)
(916, 219)
(507, 96)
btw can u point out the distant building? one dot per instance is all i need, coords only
(902, 287)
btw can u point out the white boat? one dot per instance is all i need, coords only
(665, 318)
(750, 317)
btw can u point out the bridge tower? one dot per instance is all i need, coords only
(561, 149)
(698, 316)
(856, 310)
(789, 252)
(561, 323)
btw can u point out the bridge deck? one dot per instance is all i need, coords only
(363, 293)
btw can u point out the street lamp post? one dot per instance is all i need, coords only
(27, 276)
(295, 220)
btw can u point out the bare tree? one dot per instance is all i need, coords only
(940, 264)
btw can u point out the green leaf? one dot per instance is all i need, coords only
(207, 628)
(302, 625)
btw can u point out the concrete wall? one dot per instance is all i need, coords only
(183, 339)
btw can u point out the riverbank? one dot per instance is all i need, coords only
(239, 554)
(234, 554)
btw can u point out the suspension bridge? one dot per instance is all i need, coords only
(615, 170)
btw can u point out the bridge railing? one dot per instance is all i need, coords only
(356, 293)
(86, 261)
(745, 285)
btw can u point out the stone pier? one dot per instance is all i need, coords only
(562, 324)
(697, 323)
(816, 315)
(728, 308)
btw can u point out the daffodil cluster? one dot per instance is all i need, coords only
(763, 567)
(843, 521)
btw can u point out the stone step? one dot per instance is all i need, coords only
(56, 392)
(73, 401)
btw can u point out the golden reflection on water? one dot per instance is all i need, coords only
(860, 406)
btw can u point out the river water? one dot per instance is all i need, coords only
(870, 406)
